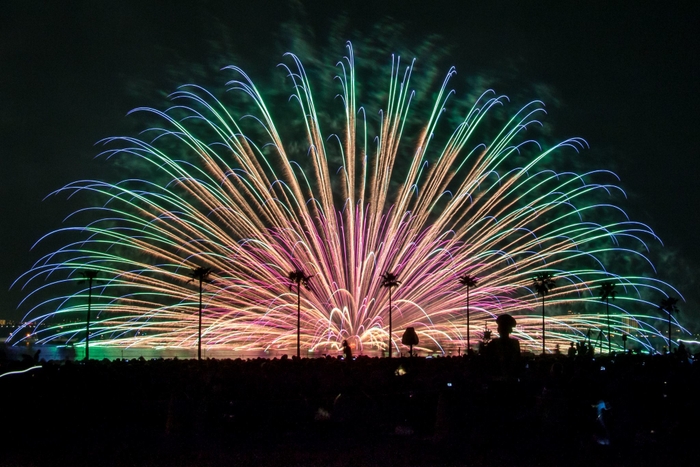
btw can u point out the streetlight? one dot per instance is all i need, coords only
(89, 275)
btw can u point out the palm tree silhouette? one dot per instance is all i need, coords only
(299, 278)
(89, 275)
(543, 283)
(668, 305)
(607, 291)
(468, 281)
(200, 274)
(390, 280)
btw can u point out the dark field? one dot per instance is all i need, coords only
(384, 412)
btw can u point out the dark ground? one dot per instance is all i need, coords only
(444, 411)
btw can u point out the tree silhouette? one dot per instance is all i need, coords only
(607, 291)
(390, 281)
(299, 278)
(668, 305)
(89, 275)
(468, 281)
(543, 283)
(200, 274)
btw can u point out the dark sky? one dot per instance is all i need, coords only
(625, 79)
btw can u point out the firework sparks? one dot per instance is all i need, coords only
(228, 192)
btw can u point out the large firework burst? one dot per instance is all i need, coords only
(254, 201)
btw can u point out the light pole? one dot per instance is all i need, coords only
(89, 275)
(200, 274)
(607, 291)
(390, 280)
(668, 305)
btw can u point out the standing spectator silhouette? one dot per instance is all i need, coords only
(347, 351)
(503, 394)
(504, 351)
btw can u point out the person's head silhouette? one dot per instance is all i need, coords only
(505, 324)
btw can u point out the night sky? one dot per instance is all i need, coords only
(625, 78)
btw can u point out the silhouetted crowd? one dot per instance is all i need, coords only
(481, 409)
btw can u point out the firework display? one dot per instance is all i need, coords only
(343, 202)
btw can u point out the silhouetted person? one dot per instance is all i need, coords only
(502, 357)
(572, 351)
(504, 351)
(590, 350)
(347, 351)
